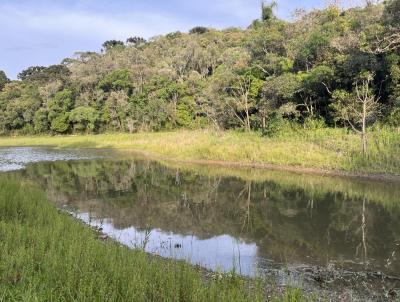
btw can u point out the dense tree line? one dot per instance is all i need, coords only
(327, 67)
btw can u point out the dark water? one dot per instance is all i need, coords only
(333, 234)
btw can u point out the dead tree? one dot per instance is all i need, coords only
(241, 102)
(360, 109)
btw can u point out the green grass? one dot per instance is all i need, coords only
(327, 148)
(48, 256)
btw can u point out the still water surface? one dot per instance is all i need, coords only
(304, 230)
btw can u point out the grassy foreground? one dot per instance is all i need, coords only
(48, 256)
(331, 149)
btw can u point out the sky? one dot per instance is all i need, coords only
(43, 32)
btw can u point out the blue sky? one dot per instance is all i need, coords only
(43, 32)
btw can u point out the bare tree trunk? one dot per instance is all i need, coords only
(364, 130)
(248, 128)
(364, 143)
(141, 83)
(247, 218)
(364, 232)
(247, 113)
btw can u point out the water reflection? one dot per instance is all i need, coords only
(16, 158)
(219, 253)
(223, 218)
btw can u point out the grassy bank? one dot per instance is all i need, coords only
(48, 256)
(330, 149)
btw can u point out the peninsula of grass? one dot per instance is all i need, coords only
(325, 149)
(49, 256)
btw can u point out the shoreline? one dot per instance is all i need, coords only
(206, 274)
(266, 166)
(380, 177)
(333, 154)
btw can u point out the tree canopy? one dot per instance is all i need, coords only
(273, 71)
(3, 79)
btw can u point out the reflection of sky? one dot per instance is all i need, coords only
(16, 158)
(220, 253)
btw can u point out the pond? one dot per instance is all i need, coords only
(331, 234)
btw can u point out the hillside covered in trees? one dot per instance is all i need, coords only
(330, 67)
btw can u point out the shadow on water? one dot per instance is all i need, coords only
(315, 232)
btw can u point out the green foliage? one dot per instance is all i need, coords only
(267, 11)
(314, 123)
(60, 124)
(136, 41)
(394, 118)
(84, 119)
(59, 109)
(185, 112)
(45, 74)
(55, 72)
(18, 104)
(3, 80)
(48, 256)
(235, 77)
(31, 72)
(117, 80)
(112, 44)
(281, 89)
(276, 126)
(40, 121)
(198, 30)
(392, 13)
(315, 80)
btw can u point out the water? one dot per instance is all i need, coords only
(335, 234)
(16, 158)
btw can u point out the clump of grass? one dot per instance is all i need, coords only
(323, 148)
(49, 256)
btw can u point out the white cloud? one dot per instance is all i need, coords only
(83, 23)
(43, 32)
(44, 36)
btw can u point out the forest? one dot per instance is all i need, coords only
(325, 68)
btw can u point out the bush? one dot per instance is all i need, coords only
(314, 123)
(199, 30)
(84, 119)
(61, 123)
(394, 118)
(185, 112)
(276, 126)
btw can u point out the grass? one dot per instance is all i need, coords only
(49, 256)
(327, 148)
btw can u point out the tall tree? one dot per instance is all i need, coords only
(267, 11)
(136, 41)
(244, 91)
(30, 73)
(111, 44)
(358, 109)
(3, 79)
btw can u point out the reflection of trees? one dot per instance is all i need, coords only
(246, 225)
(363, 230)
(275, 215)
